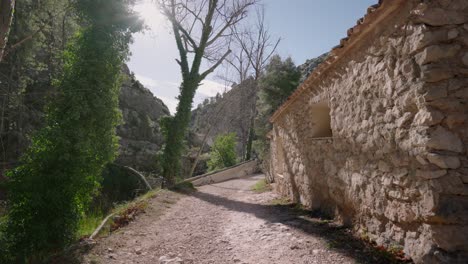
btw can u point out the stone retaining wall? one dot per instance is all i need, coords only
(237, 171)
(396, 165)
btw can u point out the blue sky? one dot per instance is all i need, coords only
(308, 28)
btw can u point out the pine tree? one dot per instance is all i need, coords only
(279, 81)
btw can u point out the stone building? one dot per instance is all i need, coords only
(378, 134)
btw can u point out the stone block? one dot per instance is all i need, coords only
(421, 160)
(463, 93)
(455, 4)
(448, 104)
(435, 91)
(443, 139)
(443, 161)
(451, 237)
(453, 33)
(452, 209)
(457, 83)
(465, 59)
(438, 16)
(436, 73)
(435, 53)
(464, 178)
(428, 117)
(430, 174)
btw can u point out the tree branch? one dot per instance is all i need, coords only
(212, 68)
(180, 46)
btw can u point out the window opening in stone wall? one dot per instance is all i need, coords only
(321, 120)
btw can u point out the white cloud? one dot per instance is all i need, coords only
(171, 103)
(166, 91)
(146, 81)
(211, 88)
(169, 90)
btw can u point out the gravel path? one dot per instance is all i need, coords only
(227, 223)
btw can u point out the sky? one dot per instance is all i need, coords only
(307, 28)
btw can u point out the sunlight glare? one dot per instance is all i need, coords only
(150, 13)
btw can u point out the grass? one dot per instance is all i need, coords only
(123, 213)
(89, 223)
(261, 186)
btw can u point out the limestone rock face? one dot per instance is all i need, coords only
(310, 65)
(230, 113)
(395, 165)
(140, 135)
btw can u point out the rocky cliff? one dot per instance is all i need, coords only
(231, 112)
(310, 65)
(140, 136)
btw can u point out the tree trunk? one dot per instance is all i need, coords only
(177, 130)
(248, 154)
(6, 17)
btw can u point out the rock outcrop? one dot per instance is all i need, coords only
(231, 112)
(309, 66)
(377, 135)
(140, 135)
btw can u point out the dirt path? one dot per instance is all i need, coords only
(228, 223)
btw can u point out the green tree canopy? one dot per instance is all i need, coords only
(280, 80)
(61, 170)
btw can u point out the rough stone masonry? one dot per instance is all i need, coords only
(378, 134)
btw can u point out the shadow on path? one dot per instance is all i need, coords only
(338, 238)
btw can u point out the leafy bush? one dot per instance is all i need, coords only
(223, 152)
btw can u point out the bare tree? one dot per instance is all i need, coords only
(256, 46)
(201, 29)
(6, 17)
(238, 62)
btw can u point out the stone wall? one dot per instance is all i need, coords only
(238, 171)
(396, 167)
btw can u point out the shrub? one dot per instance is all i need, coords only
(60, 172)
(223, 152)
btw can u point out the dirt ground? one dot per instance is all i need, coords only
(229, 223)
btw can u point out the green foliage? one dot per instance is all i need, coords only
(280, 79)
(39, 35)
(223, 152)
(61, 170)
(89, 222)
(117, 185)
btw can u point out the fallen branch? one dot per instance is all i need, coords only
(136, 173)
(98, 229)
